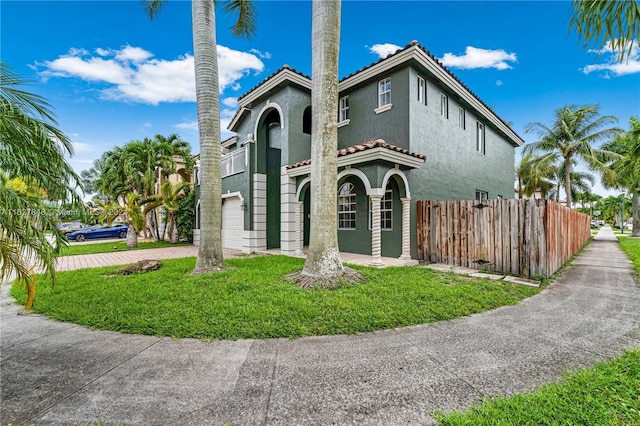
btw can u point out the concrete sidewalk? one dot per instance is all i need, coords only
(55, 373)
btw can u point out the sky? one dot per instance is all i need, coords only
(112, 75)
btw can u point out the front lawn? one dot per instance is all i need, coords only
(77, 249)
(252, 298)
(631, 247)
(607, 394)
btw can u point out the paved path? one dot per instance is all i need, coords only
(62, 374)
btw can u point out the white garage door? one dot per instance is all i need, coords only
(232, 223)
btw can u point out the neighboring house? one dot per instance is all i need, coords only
(408, 129)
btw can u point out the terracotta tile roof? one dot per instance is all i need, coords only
(364, 146)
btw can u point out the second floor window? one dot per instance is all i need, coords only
(444, 105)
(422, 91)
(480, 138)
(384, 92)
(461, 118)
(344, 108)
(347, 207)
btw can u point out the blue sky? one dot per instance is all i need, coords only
(113, 75)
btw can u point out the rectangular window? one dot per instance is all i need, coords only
(444, 105)
(384, 92)
(347, 207)
(344, 108)
(461, 118)
(480, 137)
(481, 195)
(386, 212)
(422, 91)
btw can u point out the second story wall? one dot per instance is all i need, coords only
(391, 124)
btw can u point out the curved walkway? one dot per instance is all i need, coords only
(55, 373)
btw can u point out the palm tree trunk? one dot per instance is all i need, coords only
(174, 235)
(323, 258)
(132, 237)
(207, 97)
(567, 181)
(635, 209)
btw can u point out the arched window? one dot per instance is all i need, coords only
(306, 120)
(347, 207)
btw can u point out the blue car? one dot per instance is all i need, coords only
(99, 231)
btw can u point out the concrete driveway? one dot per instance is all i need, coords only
(55, 373)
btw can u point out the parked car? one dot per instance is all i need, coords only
(70, 227)
(99, 231)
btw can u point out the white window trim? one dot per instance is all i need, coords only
(384, 108)
(422, 90)
(351, 194)
(342, 110)
(387, 192)
(462, 114)
(444, 105)
(484, 195)
(343, 123)
(384, 80)
(480, 138)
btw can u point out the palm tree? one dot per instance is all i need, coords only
(109, 212)
(210, 256)
(571, 138)
(533, 174)
(625, 172)
(612, 21)
(135, 219)
(32, 150)
(323, 257)
(169, 198)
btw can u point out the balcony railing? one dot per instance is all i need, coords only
(233, 162)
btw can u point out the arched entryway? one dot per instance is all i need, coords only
(268, 161)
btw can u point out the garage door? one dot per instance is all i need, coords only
(232, 223)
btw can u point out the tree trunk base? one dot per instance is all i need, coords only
(200, 271)
(346, 277)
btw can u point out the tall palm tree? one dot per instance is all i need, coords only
(625, 172)
(32, 149)
(570, 140)
(210, 256)
(611, 21)
(323, 257)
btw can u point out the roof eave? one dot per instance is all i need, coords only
(367, 156)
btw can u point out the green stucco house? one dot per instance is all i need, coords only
(408, 129)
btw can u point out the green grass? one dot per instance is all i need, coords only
(607, 394)
(631, 247)
(252, 298)
(76, 249)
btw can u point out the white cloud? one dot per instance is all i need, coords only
(230, 102)
(188, 125)
(263, 55)
(131, 74)
(133, 54)
(385, 49)
(499, 83)
(612, 66)
(479, 58)
(82, 147)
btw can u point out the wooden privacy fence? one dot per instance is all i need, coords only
(527, 237)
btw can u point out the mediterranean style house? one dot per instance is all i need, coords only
(408, 129)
